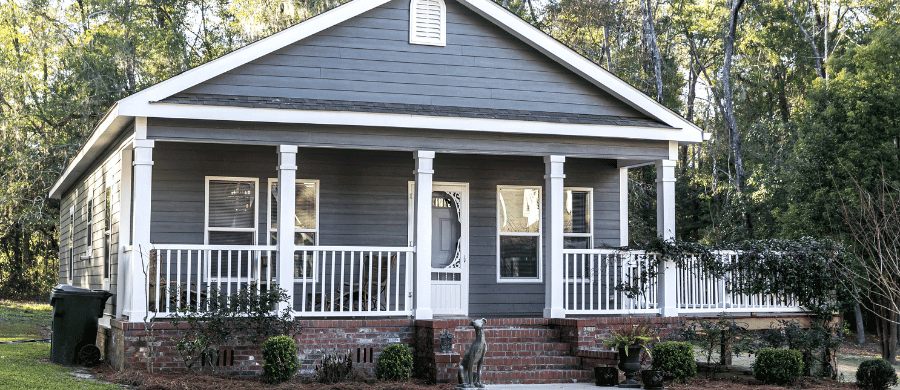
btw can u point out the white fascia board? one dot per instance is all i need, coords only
(95, 144)
(251, 52)
(578, 64)
(348, 118)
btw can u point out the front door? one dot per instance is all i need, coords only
(449, 247)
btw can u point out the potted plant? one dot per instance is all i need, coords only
(629, 341)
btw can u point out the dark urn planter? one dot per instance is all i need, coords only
(606, 376)
(629, 364)
(653, 379)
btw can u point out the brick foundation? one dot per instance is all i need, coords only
(521, 350)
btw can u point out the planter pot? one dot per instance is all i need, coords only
(653, 379)
(606, 376)
(629, 364)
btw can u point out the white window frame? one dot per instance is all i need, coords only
(590, 208)
(70, 272)
(413, 39)
(254, 229)
(539, 235)
(270, 229)
(107, 233)
(89, 233)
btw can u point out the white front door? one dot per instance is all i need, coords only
(449, 247)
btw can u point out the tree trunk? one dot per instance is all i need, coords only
(650, 37)
(860, 328)
(820, 70)
(730, 121)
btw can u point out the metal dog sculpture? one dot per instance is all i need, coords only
(470, 367)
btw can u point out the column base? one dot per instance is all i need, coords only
(554, 313)
(423, 314)
(669, 312)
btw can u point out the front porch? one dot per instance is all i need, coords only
(469, 235)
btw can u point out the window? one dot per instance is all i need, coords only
(89, 217)
(577, 226)
(231, 204)
(427, 22)
(107, 232)
(71, 272)
(519, 233)
(306, 218)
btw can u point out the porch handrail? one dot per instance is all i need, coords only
(337, 281)
(697, 290)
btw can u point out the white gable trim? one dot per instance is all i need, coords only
(577, 63)
(350, 118)
(251, 52)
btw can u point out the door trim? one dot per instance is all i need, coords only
(463, 188)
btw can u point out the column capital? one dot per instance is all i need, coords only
(143, 143)
(424, 154)
(287, 148)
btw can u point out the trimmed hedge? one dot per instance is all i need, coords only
(394, 363)
(778, 366)
(676, 358)
(279, 359)
(875, 374)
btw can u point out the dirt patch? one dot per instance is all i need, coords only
(143, 380)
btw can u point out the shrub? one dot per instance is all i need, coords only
(335, 368)
(778, 366)
(394, 363)
(675, 358)
(875, 374)
(279, 359)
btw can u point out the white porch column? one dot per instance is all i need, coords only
(623, 206)
(287, 175)
(140, 255)
(665, 228)
(553, 239)
(424, 173)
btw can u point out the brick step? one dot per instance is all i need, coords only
(507, 335)
(536, 376)
(522, 349)
(531, 363)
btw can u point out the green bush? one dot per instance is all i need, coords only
(394, 363)
(676, 359)
(875, 374)
(778, 366)
(279, 359)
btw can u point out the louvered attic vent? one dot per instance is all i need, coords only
(427, 22)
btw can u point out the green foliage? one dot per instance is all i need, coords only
(711, 336)
(335, 367)
(245, 316)
(279, 359)
(777, 366)
(815, 343)
(394, 363)
(675, 358)
(637, 334)
(23, 320)
(875, 374)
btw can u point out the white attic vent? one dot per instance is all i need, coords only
(427, 22)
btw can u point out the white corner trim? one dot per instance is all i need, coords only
(348, 118)
(577, 63)
(252, 51)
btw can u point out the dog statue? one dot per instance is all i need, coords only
(470, 367)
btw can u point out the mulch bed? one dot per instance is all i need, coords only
(752, 384)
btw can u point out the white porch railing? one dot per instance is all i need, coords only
(353, 281)
(592, 275)
(182, 275)
(328, 280)
(700, 292)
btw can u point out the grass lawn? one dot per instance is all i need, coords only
(25, 365)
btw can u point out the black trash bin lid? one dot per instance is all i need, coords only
(63, 290)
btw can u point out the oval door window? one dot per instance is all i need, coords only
(445, 229)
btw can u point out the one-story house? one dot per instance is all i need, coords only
(448, 161)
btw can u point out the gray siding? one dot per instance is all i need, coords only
(89, 256)
(377, 138)
(369, 58)
(363, 201)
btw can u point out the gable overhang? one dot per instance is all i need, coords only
(147, 103)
